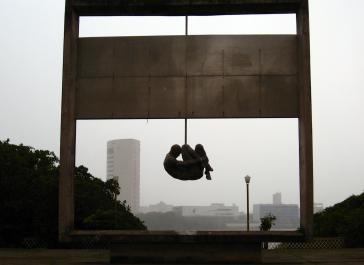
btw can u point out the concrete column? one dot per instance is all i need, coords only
(68, 125)
(305, 120)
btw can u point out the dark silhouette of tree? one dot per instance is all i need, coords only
(266, 224)
(29, 196)
(344, 219)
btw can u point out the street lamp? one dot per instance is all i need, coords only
(247, 181)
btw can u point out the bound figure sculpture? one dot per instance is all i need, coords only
(193, 165)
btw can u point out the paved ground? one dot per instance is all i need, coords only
(100, 257)
(315, 256)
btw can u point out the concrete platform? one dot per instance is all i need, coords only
(101, 257)
(198, 247)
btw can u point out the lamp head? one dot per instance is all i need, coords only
(247, 179)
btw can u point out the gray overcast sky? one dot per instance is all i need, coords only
(30, 96)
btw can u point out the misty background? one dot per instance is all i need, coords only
(31, 50)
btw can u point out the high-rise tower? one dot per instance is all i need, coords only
(123, 164)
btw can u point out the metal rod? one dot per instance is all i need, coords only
(185, 130)
(186, 26)
(186, 33)
(247, 206)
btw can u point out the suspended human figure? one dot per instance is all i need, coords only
(193, 164)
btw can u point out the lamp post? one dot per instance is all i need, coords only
(247, 181)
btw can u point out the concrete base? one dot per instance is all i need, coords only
(224, 247)
(187, 253)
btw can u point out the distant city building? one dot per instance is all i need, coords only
(318, 207)
(215, 209)
(277, 198)
(123, 164)
(160, 207)
(287, 214)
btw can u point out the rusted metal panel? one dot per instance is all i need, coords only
(241, 95)
(214, 67)
(94, 98)
(130, 98)
(107, 98)
(204, 56)
(131, 57)
(205, 97)
(279, 97)
(167, 97)
(241, 55)
(167, 56)
(278, 55)
(95, 57)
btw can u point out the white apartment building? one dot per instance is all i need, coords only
(123, 164)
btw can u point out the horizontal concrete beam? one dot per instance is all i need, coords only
(183, 7)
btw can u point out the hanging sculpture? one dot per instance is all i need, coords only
(195, 162)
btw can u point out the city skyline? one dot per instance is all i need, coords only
(30, 81)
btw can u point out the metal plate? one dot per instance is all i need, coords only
(279, 96)
(130, 98)
(95, 57)
(150, 56)
(204, 56)
(167, 98)
(241, 97)
(167, 56)
(94, 98)
(227, 76)
(205, 97)
(279, 55)
(131, 57)
(241, 55)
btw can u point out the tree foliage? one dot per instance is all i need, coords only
(267, 222)
(345, 219)
(29, 197)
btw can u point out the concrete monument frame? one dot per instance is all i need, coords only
(69, 115)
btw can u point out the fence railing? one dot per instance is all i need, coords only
(317, 243)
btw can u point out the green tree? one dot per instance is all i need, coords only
(113, 219)
(29, 196)
(266, 224)
(344, 219)
(96, 206)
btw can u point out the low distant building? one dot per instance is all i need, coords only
(215, 209)
(287, 214)
(160, 207)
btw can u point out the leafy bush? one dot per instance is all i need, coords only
(266, 222)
